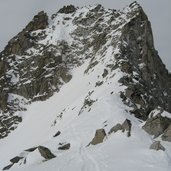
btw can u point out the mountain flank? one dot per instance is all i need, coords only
(79, 83)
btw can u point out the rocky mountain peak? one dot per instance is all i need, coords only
(68, 9)
(23, 41)
(115, 51)
(135, 4)
(40, 21)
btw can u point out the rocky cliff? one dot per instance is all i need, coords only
(147, 79)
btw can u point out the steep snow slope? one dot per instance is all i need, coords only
(92, 99)
(117, 152)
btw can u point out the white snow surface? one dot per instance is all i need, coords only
(117, 152)
(65, 112)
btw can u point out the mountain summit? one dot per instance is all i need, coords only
(85, 89)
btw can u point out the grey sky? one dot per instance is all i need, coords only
(15, 14)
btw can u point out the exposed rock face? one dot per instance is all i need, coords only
(7, 124)
(67, 9)
(13, 161)
(148, 81)
(8, 167)
(157, 146)
(167, 134)
(126, 126)
(23, 41)
(39, 60)
(16, 159)
(64, 146)
(46, 153)
(15, 70)
(31, 149)
(57, 134)
(32, 76)
(157, 125)
(116, 128)
(99, 137)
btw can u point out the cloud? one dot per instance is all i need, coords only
(15, 14)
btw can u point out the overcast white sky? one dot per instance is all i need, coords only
(15, 14)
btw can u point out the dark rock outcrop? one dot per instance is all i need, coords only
(46, 153)
(156, 125)
(29, 75)
(68, 9)
(23, 41)
(13, 161)
(126, 126)
(16, 159)
(14, 71)
(31, 149)
(116, 128)
(8, 167)
(167, 134)
(148, 81)
(64, 146)
(157, 146)
(57, 134)
(40, 21)
(7, 124)
(99, 137)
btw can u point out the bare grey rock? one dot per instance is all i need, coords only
(167, 134)
(146, 76)
(57, 134)
(116, 128)
(8, 167)
(99, 137)
(88, 102)
(99, 40)
(23, 41)
(64, 146)
(134, 94)
(127, 126)
(68, 9)
(105, 73)
(7, 124)
(16, 159)
(31, 149)
(46, 153)
(126, 67)
(156, 125)
(157, 146)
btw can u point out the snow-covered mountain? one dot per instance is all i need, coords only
(85, 90)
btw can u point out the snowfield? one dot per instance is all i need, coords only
(118, 152)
